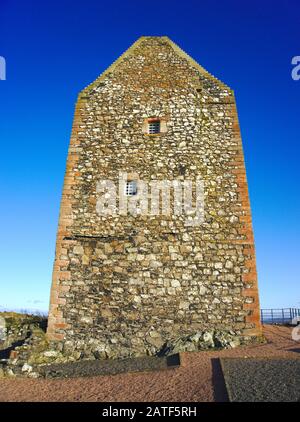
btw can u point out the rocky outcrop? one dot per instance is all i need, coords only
(15, 328)
(204, 340)
(29, 354)
(22, 336)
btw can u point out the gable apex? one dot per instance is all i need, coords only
(130, 51)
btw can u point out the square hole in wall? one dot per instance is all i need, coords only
(154, 126)
(131, 188)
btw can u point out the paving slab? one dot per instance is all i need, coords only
(262, 379)
(87, 368)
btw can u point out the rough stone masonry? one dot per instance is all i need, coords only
(126, 285)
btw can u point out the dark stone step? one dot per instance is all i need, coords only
(86, 368)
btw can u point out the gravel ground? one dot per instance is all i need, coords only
(262, 379)
(199, 378)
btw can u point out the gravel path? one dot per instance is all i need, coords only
(199, 378)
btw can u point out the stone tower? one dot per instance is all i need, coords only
(126, 283)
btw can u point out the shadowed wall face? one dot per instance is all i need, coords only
(126, 284)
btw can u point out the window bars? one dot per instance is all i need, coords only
(154, 127)
(131, 188)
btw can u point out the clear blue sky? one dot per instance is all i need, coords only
(55, 48)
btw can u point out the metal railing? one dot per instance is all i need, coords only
(279, 316)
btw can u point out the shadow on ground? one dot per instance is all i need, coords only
(297, 350)
(4, 354)
(219, 386)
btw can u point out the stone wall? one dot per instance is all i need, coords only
(127, 284)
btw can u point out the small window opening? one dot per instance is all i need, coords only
(154, 126)
(131, 188)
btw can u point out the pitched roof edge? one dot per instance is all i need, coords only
(111, 67)
(175, 47)
(194, 63)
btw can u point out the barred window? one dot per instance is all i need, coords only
(131, 188)
(154, 126)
